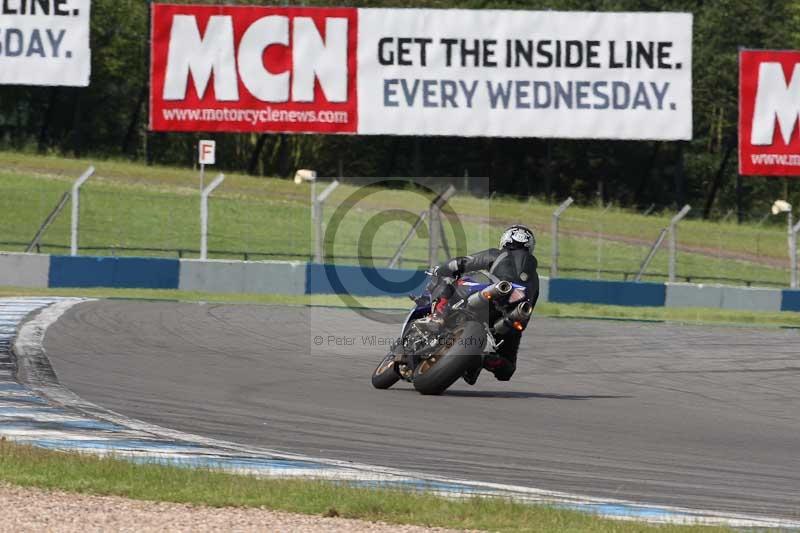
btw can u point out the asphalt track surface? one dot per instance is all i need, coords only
(699, 417)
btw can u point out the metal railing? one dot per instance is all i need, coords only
(590, 243)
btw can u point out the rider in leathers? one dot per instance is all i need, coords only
(514, 262)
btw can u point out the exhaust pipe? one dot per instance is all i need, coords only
(493, 293)
(499, 290)
(517, 319)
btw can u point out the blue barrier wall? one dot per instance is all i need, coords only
(363, 281)
(791, 301)
(607, 292)
(119, 272)
(298, 278)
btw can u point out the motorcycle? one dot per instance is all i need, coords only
(433, 358)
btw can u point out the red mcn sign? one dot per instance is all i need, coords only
(769, 109)
(253, 69)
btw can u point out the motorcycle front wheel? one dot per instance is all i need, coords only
(385, 375)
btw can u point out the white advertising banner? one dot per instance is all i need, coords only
(525, 74)
(482, 73)
(45, 42)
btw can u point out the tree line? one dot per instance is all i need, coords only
(109, 119)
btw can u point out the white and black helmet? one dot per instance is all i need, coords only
(518, 236)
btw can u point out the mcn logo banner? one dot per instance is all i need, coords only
(769, 108)
(421, 72)
(253, 69)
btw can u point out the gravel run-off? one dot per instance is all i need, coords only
(34, 510)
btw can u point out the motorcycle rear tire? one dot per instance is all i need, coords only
(436, 374)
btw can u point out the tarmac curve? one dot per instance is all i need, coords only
(661, 414)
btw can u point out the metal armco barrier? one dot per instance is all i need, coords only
(268, 277)
(24, 270)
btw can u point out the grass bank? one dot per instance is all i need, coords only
(72, 472)
(132, 209)
(698, 316)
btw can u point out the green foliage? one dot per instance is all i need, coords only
(109, 118)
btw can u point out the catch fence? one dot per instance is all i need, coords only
(366, 225)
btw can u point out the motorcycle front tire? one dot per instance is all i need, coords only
(385, 374)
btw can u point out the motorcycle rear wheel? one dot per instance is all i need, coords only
(385, 375)
(434, 375)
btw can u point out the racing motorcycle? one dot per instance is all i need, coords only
(433, 358)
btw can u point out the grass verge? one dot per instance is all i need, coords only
(698, 316)
(72, 472)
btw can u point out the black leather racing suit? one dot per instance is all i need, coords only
(517, 266)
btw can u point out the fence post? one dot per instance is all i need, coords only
(793, 231)
(204, 215)
(397, 258)
(556, 217)
(673, 241)
(317, 204)
(436, 239)
(650, 255)
(76, 200)
(47, 222)
(434, 223)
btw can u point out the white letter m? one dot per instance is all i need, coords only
(200, 56)
(775, 100)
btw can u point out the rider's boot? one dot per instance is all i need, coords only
(495, 363)
(471, 376)
(491, 363)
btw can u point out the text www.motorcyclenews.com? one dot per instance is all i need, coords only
(256, 116)
(792, 160)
